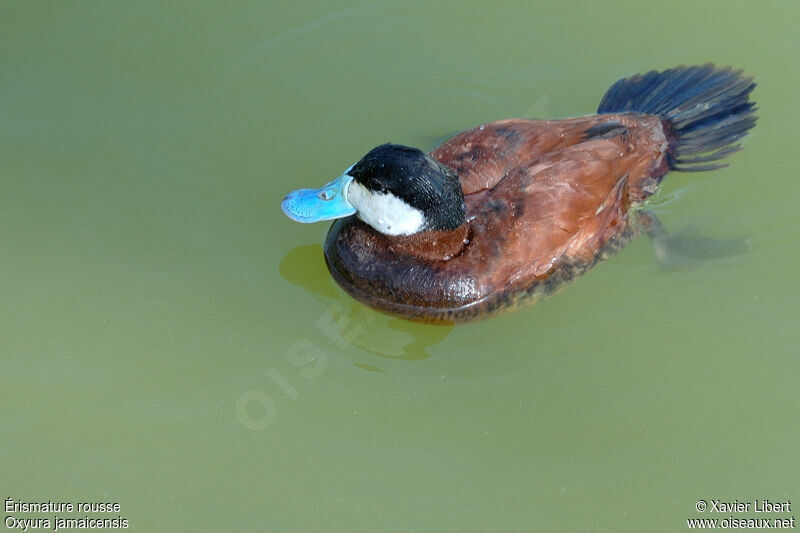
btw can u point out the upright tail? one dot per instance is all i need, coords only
(705, 110)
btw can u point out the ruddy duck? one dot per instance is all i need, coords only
(514, 209)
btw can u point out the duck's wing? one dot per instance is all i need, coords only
(482, 156)
(563, 210)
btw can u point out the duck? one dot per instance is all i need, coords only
(510, 211)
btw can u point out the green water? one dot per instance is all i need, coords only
(171, 342)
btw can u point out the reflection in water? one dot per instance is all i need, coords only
(687, 248)
(347, 322)
(371, 368)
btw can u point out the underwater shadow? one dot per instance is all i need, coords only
(348, 322)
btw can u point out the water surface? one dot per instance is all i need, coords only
(170, 341)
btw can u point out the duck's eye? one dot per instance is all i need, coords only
(376, 185)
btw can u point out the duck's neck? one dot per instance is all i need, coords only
(434, 245)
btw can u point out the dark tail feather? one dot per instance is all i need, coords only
(706, 110)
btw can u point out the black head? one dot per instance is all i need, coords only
(409, 175)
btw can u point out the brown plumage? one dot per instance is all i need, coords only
(545, 200)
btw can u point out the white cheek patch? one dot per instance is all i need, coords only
(384, 211)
